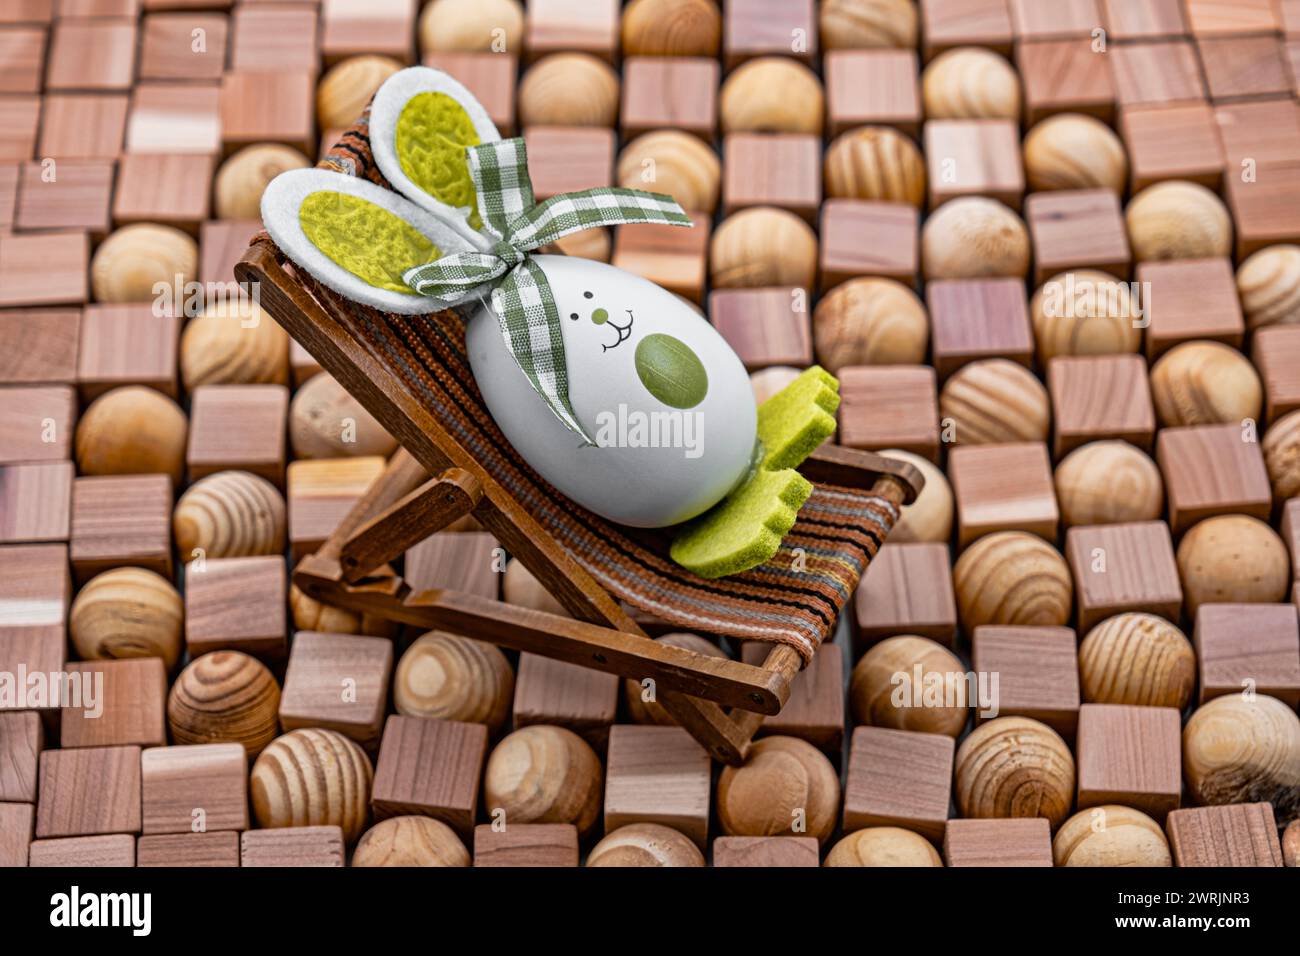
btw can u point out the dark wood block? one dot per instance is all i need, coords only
(21, 115)
(77, 198)
(127, 345)
(772, 169)
(670, 93)
(548, 691)
(91, 55)
(1267, 211)
(195, 789)
(22, 739)
(491, 78)
(188, 849)
(292, 846)
(1143, 19)
(1211, 470)
(1157, 73)
(36, 502)
(238, 426)
(1179, 141)
(890, 406)
(564, 159)
(1123, 567)
(1077, 229)
(168, 46)
(28, 11)
(236, 604)
(1276, 353)
(1290, 531)
(268, 107)
(1026, 841)
(872, 87)
(222, 243)
(320, 494)
(382, 27)
(175, 118)
(1038, 670)
(907, 590)
(1131, 756)
(38, 423)
(1032, 19)
(672, 258)
(35, 648)
(1190, 299)
(39, 346)
(44, 269)
(470, 561)
(1239, 834)
(83, 125)
(752, 28)
(1248, 647)
(432, 768)
(337, 681)
(952, 23)
(35, 586)
(868, 238)
(89, 791)
(979, 157)
(815, 709)
(129, 705)
(274, 37)
(121, 520)
(786, 851)
(587, 26)
(1263, 132)
(764, 326)
(1244, 67)
(16, 823)
(657, 775)
(526, 844)
(1065, 76)
(978, 318)
(22, 55)
(116, 850)
(898, 778)
(1003, 487)
(171, 188)
(1096, 397)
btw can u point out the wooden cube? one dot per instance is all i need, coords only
(764, 326)
(1213, 17)
(127, 345)
(1238, 482)
(1123, 567)
(752, 28)
(890, 406)
(238, 426)
(657, 775)
(21, 116)
(35, 589)
(321, 493)
(1266, 211)
(337, 681)
(1290, 531)
(218, 848)
(292, 846)
(1038, 670)
(1032, 19)
(671, 258)
(121, 520)
(907, 590)
(952, 23)
(587, 26)
(274, 37)
(563, 159)
(1190, 299)
(526, 844)
(115, 850)
(815, 709)
(88, 791)
(39, 346)
(91, 55)
(1179, 141)
(21, 741)
(277, 107)
(1242, 67)
(22, 54)
(1238, 834)
(38, 423)
(462, 561)
(978, 157)
(548, 691)
(1065, 76)
(776, 851)
(1077, 229)
(1248, 647)
(1003, 487)
(383, 27)
(175, 118)
(898, 778)
(1143, 19)
(51, 268)
(236, 604)
(1096, 397)
(169, 188)
(1153, 74)
(868, 238)
(1258, 133)
(772, 169)
(1025, 841)
(976, 319)
(1131, 756)
(128, 707)
(83, 126)
(222, 242)
(872, 87)
(1276, 353)
(36, 502)
(670, 93)
(16, 822)
(168, 46)
(490, 77)
(76, 199)
(430, 768)
(194, 789)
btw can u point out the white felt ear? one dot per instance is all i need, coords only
(280, 215)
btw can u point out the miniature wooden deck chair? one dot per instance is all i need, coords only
(412, 374)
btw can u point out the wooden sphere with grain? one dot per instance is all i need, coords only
(673, 162)
(1240, 750)
(1232, 559)
(1108, 482)
(1014, 767)
(1268, 283)
(450, 677)
(544, 774)
(346, 88)
(594, 243)
(410, 841)
(569, 89)
(645, 844)
(1281, 448)
(132, 430)
(234, 343)
(325, 421)
(883, 846)
(1074, 151)
(870, 321)
(783, 781)
(1178, 220)
(995, 400)
(472, 26)
(520, 588)
(766, 382)
(127, 612)
(232, 514)
(1111, 835)
(1205, 383)
(763, 246)
(929, 517)
(133, 259)
(225, 697)
(1137, 659)
(1291, 844)
(772, 94)
(866, 24)
(974, 238)
(243, 177)
(1084, 312)
(970, 83)
(1012, 577)
(890, 666)
(643, 711)
(311, 615)
(310, 778)
(671, 28)
(875, 162)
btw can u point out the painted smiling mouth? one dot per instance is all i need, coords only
(624, 331)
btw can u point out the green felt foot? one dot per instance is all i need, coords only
(794, 422)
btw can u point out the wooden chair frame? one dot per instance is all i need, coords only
(405, 505)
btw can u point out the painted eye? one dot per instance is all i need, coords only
(586, 295)
(600, 316)
(574, 316)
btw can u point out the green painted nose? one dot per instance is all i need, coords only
(600, 316)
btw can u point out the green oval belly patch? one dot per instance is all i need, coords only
(670, 371)
(432, 134)
(367, 240)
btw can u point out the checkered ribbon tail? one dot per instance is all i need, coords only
(519, 293)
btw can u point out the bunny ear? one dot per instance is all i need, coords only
(421, 120)
(356, 237)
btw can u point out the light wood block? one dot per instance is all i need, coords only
(1264, 132)
(1248, 647)
(292, 846)
(772, 169)
(1038, 670)
(1239, 834)
(114, 850)
(22, 738)
(121, 521)
(1003, 487)
(1158, 73)
(952, 23)
(1077, 229)
(1211, 470)
(188, 849)
(1064, 18)
(237, 604)
(1097, 397)
(77, 198)
(490, 77)
(431, 768)
(321, 492)
(1290, 531)
(785, 851)
(269, 107)
(548, 691)
(868, 238)
(1190, 299)
(130, 704)
(1214, 17)
(752, 28)
(1143, 19)
(22, 55)
(16, 823)
(872, 87)
(382, 27)
(91, 55)
(44, 269)
(194, 789)
(907, 590)
(36, 502)
(657, 775)
(815, 709)
(1244, 67)
(89, 791)
(763, 326)
(35, 587)
(889, 406)
(670, 93)
(526, 844)
(21, 115)
(898, 778)
(238, 426)
(274, 37)
(39, 346)
(585, 26)
(564, 159)
(1026, 841)
(83, 126)
(469, 561)
(1276, 354)
(127, 345)
(337, 681)
(675, 259)
(1123, 567)
(976, 319)
(1131, 756)
(1065, 76)
(1179, 141)
(222, 242)
(1267, 211)
(175, 118)
(168, 46)
(974, 158)
(170, 188)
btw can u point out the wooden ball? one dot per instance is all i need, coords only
(1291, 844)
(1281, 447)
(311, 615)
(863, 24)
(760, 247)
(929, 517)
(232, 514)
(325, 421)
(870, 321)
(594, 244)
(454, 678)
(132, 430)
(346, 88)
(970, 83)
(520, 588)
(1074, 151)
(642, 711)
(1137, 659)
(766, 382)
(225, 697)
(1239, 750)
(883, 846)
(645, 844)
(890, 666)
(234, 343)
(783, 781)
(772, 94)
(312, 777)
(974, 238)
(1111, 835)
(127, 612)
(544, 774)
(410, 841)
(1085, 312)
(1269, 286)
(1012, 577)
(1108, 482)
(241, 180)
(1205, 383)
(875, 162)
(1232, 559)
(670, 161)
(128, 264)
(569, 89)
(995, 400)
(1014, 767)
(472, 26)
(1178, 220)
(671, 28)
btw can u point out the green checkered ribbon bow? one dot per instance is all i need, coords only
(520, 295)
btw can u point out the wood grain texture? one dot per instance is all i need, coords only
(979, 157)
(133, 258)
(1236, 835)
(891, 251)
(1209, 470)
(339, 682)
(864, 321)
(36, 502)
(201, 788)
(657, 775)
(889, 407)
(741, 851)
(292, 846)
(773, 94)
(762, 326)
(450, 677)
(898, 778)
(1291, 844)
(1011, 577)
(1063, 76)
(45, 269)
(954, 23)
(994, 401)
(569, 158)
(1256, 646)
(326, 422)
(127, 613)
(680, 93)
(114, 850)
(642, 711)
(462, 561)
(567, 695)
(1130, 756)
(1003, 487)
(569, 89)
(1111, 835)
(410, 841)
(892, 664)
(22, 738)
(128, 705)
(872, 87)
(1038, 670)
(645, 844)
(1138, 659)
(1099, 397)
(891, 599)
(814, 711)
(1178, 220)
(1015, 767)
(1077, 228)
(1105, 482)
(671, 28)
(40, 345)
(929, 517)
(1177, 141)
(1205, 383)
(1123, 567)
(233, 343)
(772, 169)
(1191, 300)
(544, 774)
(189, 849)
(16, 822)
(132, 430)
(238, 426)
(882, 846)
(1021, 842)
(1233, 559)
(762, 247)
(89, 791)
(526, 844)
(1070, 151)
(979, 318)
(312, 777)
(785, 786)
(875, 163)
(1281, 447)
(121, 520)
(970, 83)
(1237, 750)
(1269, 285)
(127, 344)
(225, 696)
(236, 604)
(321, 493)
(230, 514)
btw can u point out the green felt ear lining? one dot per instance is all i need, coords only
(432, 133)
(368, 241)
